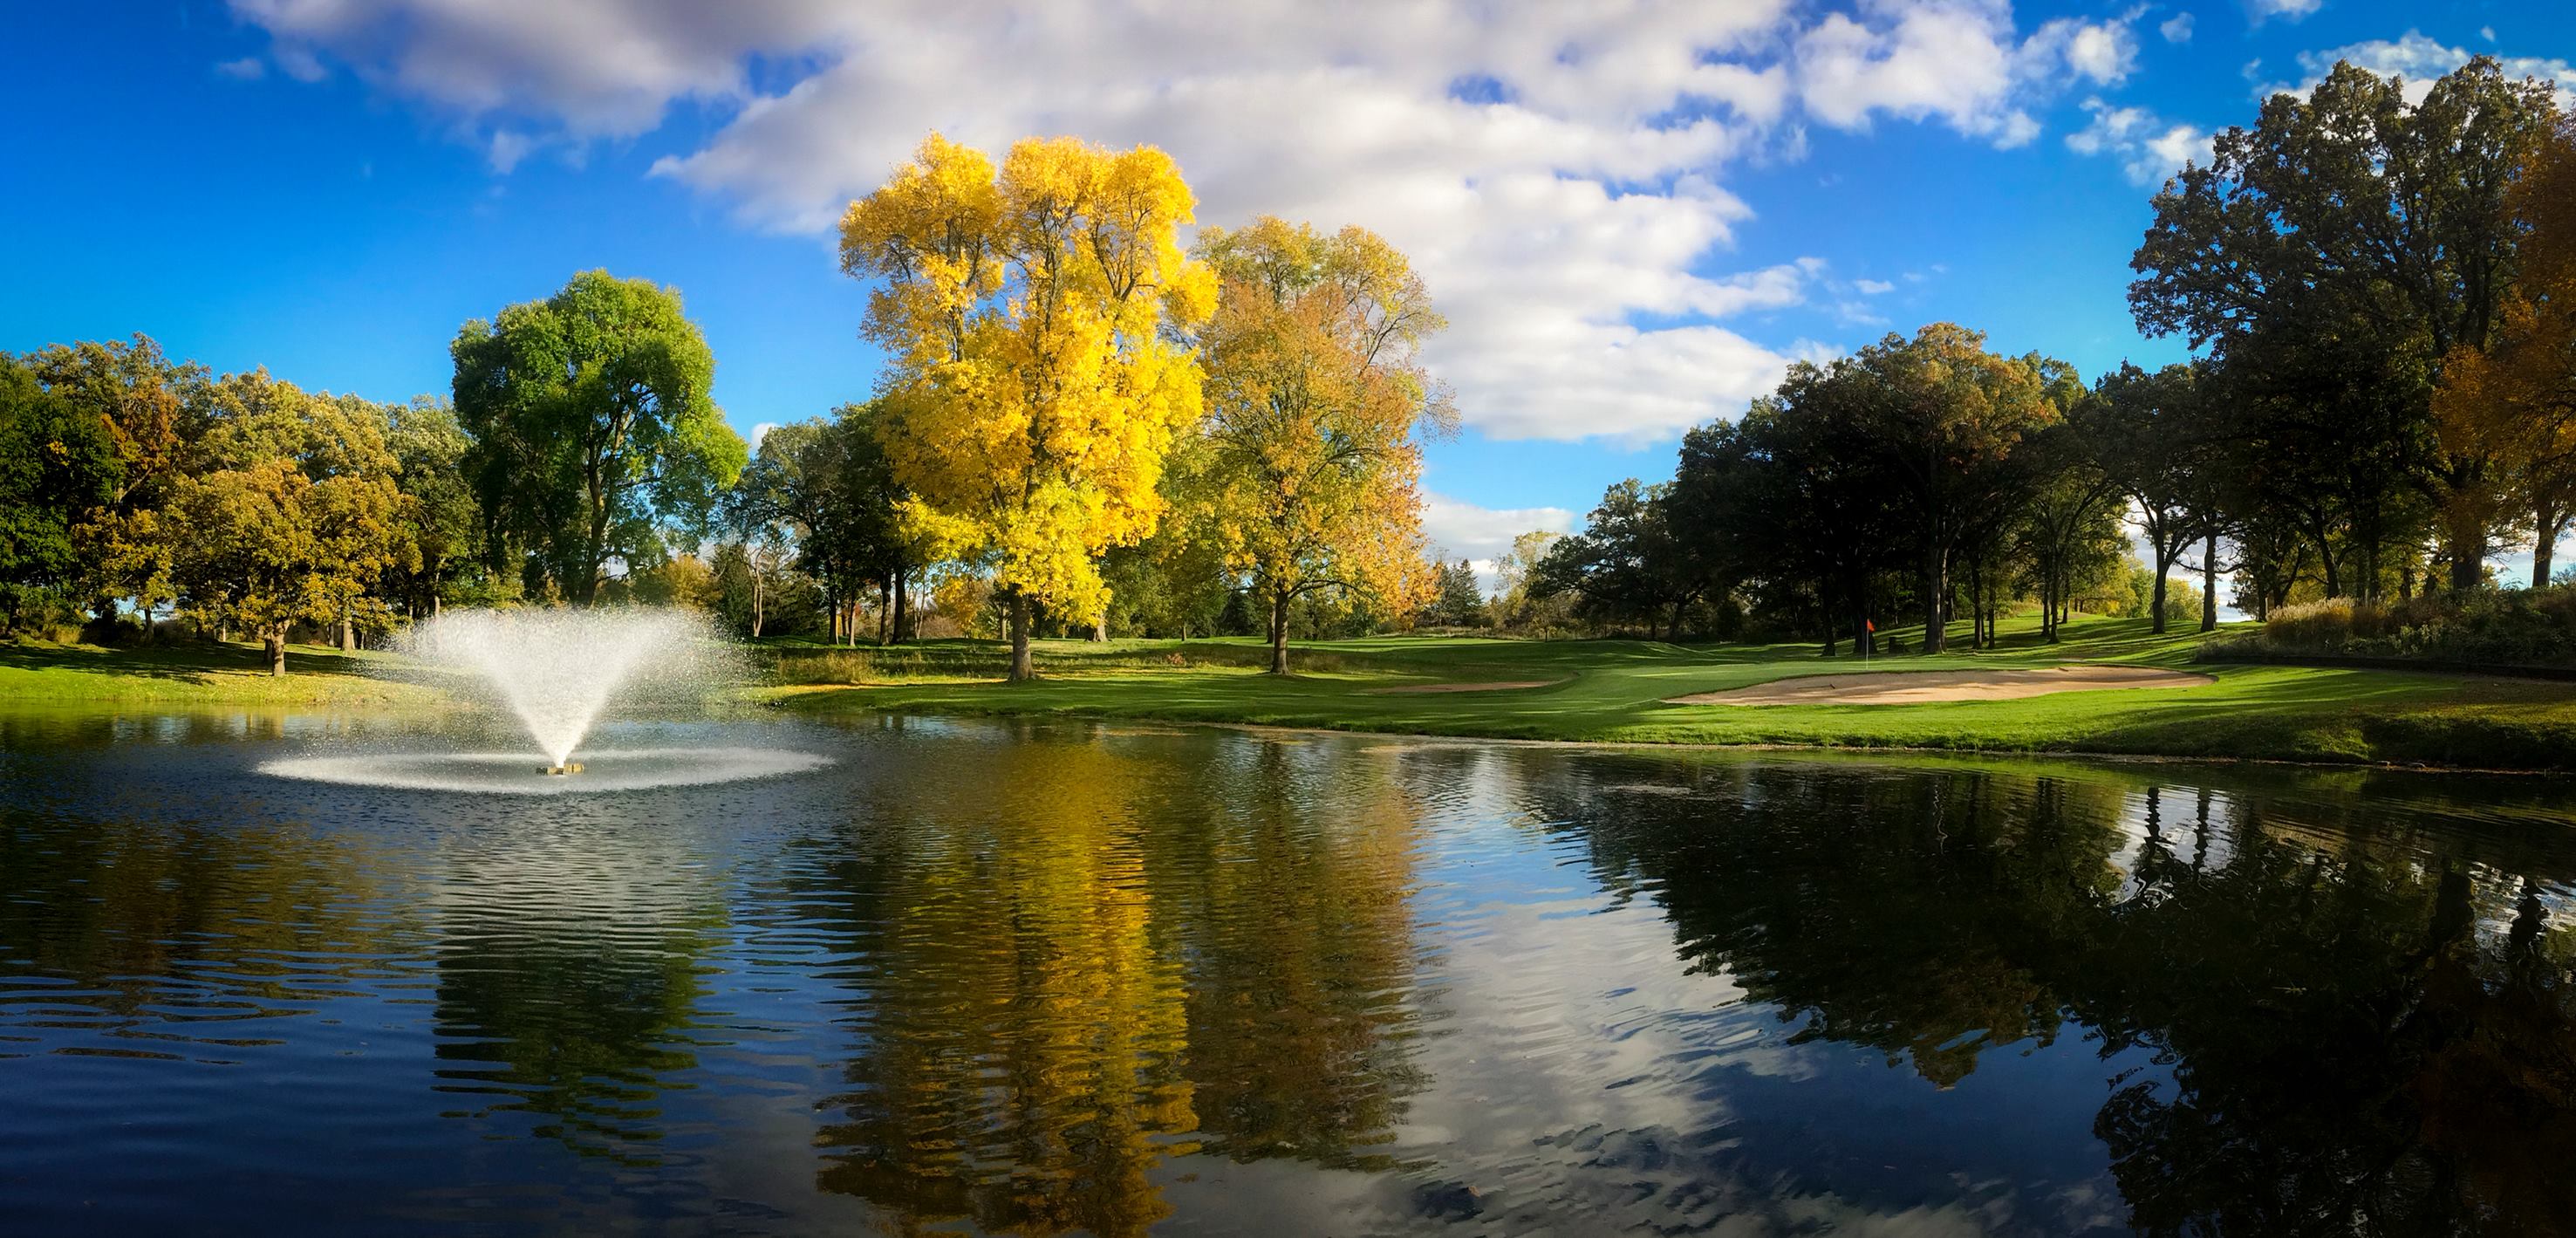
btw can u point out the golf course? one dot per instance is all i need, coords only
(1624, 692)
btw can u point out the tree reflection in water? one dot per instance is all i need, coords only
(1052, 979)
(2362, 1031)
(1089, 958)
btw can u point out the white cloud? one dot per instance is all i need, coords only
(2176, 29)
(246, 69)
(2420, 60)
(2259, 11)
(1480, 535)
(1873, 287)
(760, 433)
(1566, 210)
(2149, 149)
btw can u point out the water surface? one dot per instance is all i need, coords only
(1007, 978)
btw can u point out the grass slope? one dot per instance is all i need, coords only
(197, 674)
(1613, 691)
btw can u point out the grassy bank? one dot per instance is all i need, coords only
(1615, 691)
(198, 674)
(1598, 691)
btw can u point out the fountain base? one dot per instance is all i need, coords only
(568, 767)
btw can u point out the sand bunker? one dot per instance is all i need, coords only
(1919, 687)
(1500, 685)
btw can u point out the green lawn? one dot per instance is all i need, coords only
(198, 674)
(1601, 691)
(1614, 691)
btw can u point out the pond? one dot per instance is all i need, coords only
(1068, 978)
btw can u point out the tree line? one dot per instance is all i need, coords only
(2381, 300)
(1083, 425)
(1078, 417)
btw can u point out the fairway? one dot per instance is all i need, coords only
(1621, 691)
(1926, 687)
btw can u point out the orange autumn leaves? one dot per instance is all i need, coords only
(2515, 400)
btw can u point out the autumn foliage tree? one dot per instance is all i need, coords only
(1317, 404)
(2514, 402)
(1033, 384)
(290, 512)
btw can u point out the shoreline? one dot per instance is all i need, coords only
(1639, 745)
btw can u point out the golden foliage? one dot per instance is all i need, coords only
(1033, 384)
(1315, 395)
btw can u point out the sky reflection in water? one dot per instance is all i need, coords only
(987, 976)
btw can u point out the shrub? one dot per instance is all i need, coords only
(2526, 627)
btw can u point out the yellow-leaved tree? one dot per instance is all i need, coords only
(2516, 400)
(1033, 383)
(1317, 406)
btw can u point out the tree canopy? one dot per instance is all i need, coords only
(594, 430)
(1032, 383)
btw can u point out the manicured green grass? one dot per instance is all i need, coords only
(198, 674)
(1596, 691)
(1615, 691)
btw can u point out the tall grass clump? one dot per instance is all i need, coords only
(2501, 627)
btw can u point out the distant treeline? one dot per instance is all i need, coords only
(2383, 295)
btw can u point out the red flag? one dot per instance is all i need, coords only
(1870, 627)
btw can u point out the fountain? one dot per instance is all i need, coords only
(557, 672)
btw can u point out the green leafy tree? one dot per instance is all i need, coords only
(2330, 257)
(593, 427)
(58, 468)
(442, 521)
(1455, 602)
(1946, 416)
(1628, 567)
(2148, 433)
(153, 410)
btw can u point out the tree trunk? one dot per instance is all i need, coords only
(2209, 584)
(885, 611)
(1936, 590)
(274, 641)
(1100, 626)
(902, 606)
(2468, 561)
(348, 633)
(1279, 632)
(2156, 606)
(2547, 523)
(1022, 669)
(755, 598)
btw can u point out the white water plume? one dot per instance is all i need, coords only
(559, 670)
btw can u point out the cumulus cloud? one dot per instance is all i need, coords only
(2148, 149)
(246, 69)
(1460, 530)
(1955, 62)
(2176, 29)
(2420, 60)
(1553, 170)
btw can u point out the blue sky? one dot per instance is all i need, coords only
(1633, 214)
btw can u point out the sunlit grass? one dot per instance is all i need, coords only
(199, 674)
(1616, 691)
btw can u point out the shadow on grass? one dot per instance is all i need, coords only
(188, 663)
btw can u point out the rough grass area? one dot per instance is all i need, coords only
(1616, 691)
(198, 674)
